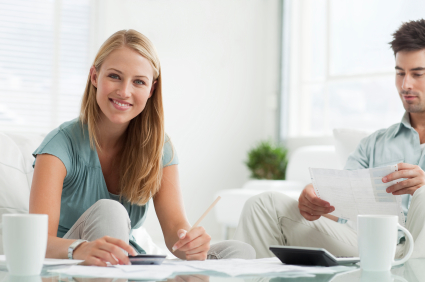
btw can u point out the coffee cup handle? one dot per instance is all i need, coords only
(411, 244)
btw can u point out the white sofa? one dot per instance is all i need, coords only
(229, 208)
(16, 176)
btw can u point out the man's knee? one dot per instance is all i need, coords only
(269, 201)
(419, 193)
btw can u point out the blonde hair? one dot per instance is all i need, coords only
(141, 158)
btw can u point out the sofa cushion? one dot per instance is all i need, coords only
(16, 172)
(303, 158)
(346, 141)
(229, 209)
(27, 143)
(14, 185)
(273, 185)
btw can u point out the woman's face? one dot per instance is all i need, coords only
(124, 84)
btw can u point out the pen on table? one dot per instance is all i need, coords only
(202, 216)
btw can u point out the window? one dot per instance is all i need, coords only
(338, 65)
(44, 62)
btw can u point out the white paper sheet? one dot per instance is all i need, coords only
(354, 192)
(236, 267)
(111, 272)
(173, 268)
(48, 262)
(232, 267)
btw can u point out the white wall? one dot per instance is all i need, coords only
(220, 65)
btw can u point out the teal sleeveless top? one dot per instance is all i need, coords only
(84, 183)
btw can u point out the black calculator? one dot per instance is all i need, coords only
(146, 259)
(310, 256)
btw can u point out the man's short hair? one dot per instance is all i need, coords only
(409, 37)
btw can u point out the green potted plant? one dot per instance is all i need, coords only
(267, 160)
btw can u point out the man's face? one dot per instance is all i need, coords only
(410, 79)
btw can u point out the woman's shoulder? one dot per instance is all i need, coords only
(169, 154)
(69, 140)
(67, 134)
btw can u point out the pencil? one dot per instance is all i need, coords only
(202, 216)
(205, 213)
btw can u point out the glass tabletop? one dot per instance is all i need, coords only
(412, 271)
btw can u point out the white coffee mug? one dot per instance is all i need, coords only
(25, 242)
(377, 241)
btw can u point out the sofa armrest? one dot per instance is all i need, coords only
(229, 208)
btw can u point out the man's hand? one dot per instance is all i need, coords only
(312, 207)
(415, 179)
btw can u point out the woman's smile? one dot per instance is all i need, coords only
(120, 105)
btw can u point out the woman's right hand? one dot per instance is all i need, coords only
(103, 250)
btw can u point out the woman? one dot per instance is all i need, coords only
(94, 175)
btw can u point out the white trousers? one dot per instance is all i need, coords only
(109, 217)
(272, 218)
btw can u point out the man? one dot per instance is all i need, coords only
(272, 218)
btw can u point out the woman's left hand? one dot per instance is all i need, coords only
(194, 244)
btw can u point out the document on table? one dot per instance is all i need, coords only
(48, 262)
(149, 272)
(237, 267)
(232, 267)
(354, 192)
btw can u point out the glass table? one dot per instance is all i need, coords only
(412, 271)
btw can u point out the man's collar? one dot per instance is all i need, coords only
(405, 121)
